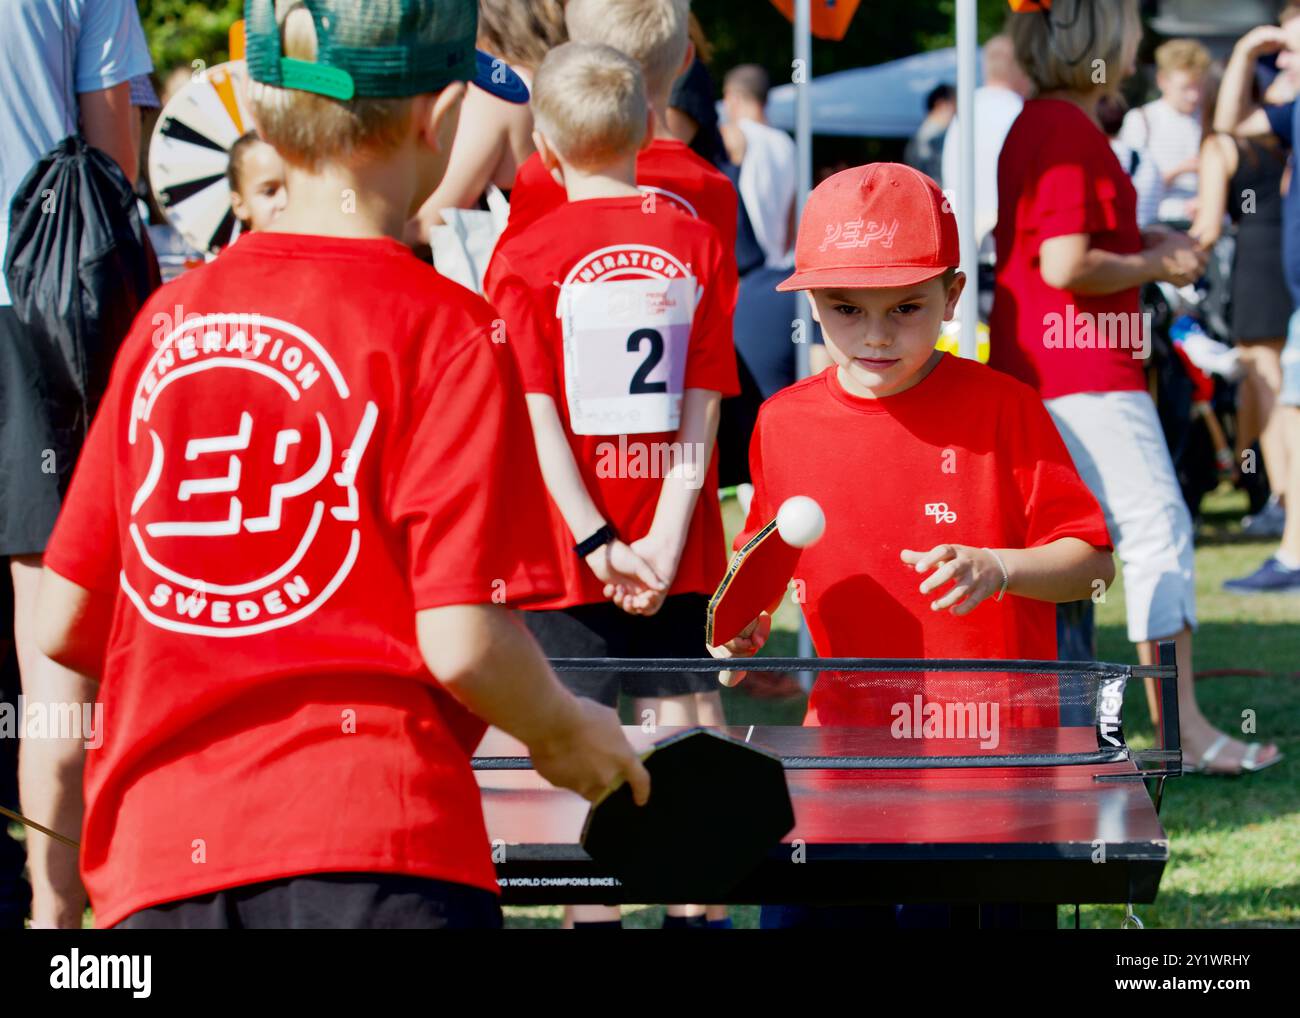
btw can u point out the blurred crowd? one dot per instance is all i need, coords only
(1209, 156)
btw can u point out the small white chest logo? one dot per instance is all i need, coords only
(940, 512)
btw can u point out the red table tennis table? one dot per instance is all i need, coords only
(1033, 836)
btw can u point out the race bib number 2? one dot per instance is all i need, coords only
(625, 344)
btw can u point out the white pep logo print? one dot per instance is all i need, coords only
(245, 520)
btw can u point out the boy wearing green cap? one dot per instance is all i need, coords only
(288, 548)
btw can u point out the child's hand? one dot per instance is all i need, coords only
(974, 572)
(748, 643)
(623, 570)
(663, 557)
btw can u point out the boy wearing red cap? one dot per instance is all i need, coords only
(970, 499)
(954, 515)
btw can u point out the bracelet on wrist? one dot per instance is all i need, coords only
(1006, 576)
(605, 535)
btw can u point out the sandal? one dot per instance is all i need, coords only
(1249, 760)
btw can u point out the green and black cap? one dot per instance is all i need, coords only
(378, 49)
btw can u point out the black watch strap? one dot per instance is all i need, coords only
(600, 538)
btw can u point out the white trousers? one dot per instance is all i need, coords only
(1119, 449)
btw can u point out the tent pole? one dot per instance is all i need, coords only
(967, 59)
(803, 142)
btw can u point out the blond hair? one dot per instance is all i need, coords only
(520, 32)
(1182, 55)
(589, 103)
(654, 33)
(309, 130)
(1080, 45)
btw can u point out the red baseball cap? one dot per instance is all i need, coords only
(883, 224)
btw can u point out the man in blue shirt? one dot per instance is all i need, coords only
(1237, 114)
(65, 65)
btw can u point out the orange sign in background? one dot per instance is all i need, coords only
(237, 40)
(830, 18)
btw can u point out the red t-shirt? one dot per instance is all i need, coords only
(303, 444)
(614, 311)
(968, 456)
(1058, 176)
(666, 168)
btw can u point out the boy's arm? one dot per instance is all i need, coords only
(1066, 569)
(692, 450)
(72, 624)
(486, 660)
(615, 563)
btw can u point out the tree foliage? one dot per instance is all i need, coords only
(182, 31)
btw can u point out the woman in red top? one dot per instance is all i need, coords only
(1066, 320)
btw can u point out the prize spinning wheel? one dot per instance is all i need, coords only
(189, 152)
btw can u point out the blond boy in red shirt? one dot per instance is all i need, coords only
(288, 549)
(618, 310)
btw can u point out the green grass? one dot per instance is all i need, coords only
(1235, 842)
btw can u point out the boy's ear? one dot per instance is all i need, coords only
(816, 316)
(548, 157)
(955, 289)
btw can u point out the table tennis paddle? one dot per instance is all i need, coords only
(755, 582)
(717, 809)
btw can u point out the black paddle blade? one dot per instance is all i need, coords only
(717, 809)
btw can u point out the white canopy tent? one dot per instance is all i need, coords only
(883, 101)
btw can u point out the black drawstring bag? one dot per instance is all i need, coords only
(79, 266)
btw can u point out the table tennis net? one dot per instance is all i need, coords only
(931, 713)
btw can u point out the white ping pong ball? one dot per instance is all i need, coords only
(800, 521)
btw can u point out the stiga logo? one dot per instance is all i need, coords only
(245, 516)
(1110, 703)
(940, 512)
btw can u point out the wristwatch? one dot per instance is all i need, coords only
(599, 539)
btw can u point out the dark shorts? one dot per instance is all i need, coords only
(42, 429)
(328, 901)
(605, 630)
